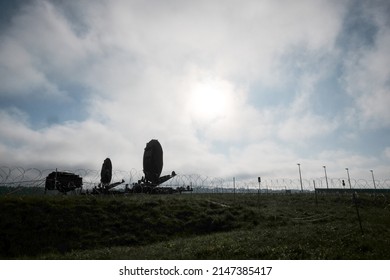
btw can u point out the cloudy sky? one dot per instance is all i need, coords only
(229, 88)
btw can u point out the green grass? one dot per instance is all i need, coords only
(193, 226)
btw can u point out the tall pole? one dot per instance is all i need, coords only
(373, 179)
(300, 176)
(349, 179)
(326, 177)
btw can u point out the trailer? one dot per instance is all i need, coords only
(63, 182)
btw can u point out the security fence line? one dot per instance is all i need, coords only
(18, 176)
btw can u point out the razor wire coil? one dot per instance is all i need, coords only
(19, 176)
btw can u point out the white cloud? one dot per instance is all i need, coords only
(305, 127)
(367, 77)
(13, 125)
(40, 53)
(264, 158)
(387, 152)
(72, 145)
(17, 72)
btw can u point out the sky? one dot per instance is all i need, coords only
(229, 88)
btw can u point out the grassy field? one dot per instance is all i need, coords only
(194, 226)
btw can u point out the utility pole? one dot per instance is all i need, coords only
(326, 177)
(300, 176)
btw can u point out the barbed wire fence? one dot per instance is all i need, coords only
(34, 177)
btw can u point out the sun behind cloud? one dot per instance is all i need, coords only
(209, 100)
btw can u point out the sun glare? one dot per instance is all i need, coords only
(209, 100)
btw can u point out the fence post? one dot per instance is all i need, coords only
(300, 176)
(258, 191)
(234, 189)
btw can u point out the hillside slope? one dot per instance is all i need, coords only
(193, 227)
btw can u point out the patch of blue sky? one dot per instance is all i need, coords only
(358, 29)
(263, 96)
(327, 96)
(367, 143)
(44, 111)
(74, 15)
(330, 99)
(8, 10)
(220, 147)
(370, 142)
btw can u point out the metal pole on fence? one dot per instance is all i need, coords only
(300, 176)
(258, 192)
(326, 178)
(234, 188)
(373, 179)
(349, 179)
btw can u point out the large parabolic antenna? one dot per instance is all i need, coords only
(153, 165)
(106, 173)
(153, 161)
(105, 178)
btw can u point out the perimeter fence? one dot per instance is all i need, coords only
(34, 177)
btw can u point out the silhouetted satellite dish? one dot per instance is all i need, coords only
(153, 161)
(106, 173)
